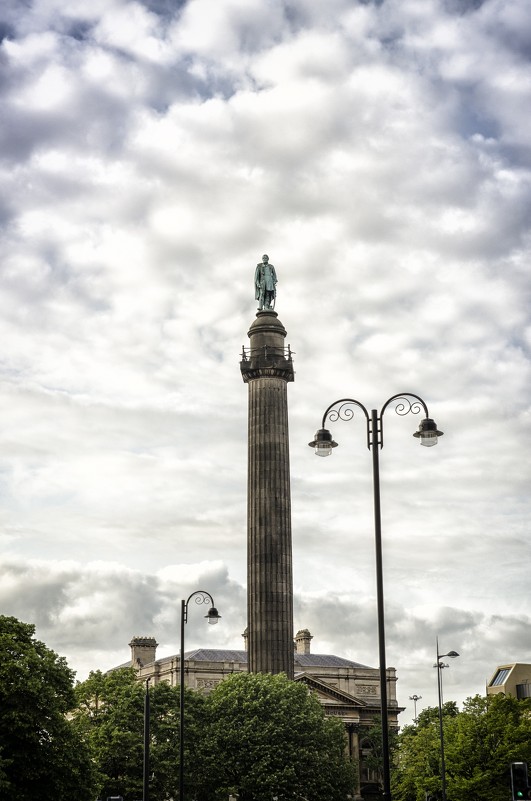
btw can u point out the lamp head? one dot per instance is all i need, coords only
(427, 432)
(452, 654)
(323, 443)
(213, 616)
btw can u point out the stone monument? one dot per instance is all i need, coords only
(266, 368)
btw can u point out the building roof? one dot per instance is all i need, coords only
(325, 660)
(301, 660)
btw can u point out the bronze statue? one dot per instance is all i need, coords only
(265, 283)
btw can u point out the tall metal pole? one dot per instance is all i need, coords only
(374, 442)
(440, 665)
(441, 728)
(181, 706)
(343, 409)
(201, 597)
(145, 785)
(415, 698)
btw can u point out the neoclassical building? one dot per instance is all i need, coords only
(346, 689)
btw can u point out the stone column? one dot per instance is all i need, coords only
(267, 367)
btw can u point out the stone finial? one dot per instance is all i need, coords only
(245, 636)
(302, 641)
(143, 651)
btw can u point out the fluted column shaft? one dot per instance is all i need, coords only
(269, 550)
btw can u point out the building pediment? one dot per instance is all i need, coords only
(329, 694)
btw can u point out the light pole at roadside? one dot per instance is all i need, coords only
(201, 597)
(415, 698)
(145, 771)
(440, 665)
(344, 409)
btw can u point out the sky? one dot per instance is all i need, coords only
(379, 153)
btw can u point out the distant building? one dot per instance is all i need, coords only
(513, 679)
(346, 689)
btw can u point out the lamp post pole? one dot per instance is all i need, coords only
(201, 597)
(415, 698)
(440, 665)
(145, 772)
(344, 409)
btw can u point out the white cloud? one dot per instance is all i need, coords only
(379, 153)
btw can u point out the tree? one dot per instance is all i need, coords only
(268, 737)
(487, 736)
(373, 736)
(110, 715)
(41, 755)
(480, 743)
(260, 736)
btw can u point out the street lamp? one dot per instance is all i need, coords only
(344, 409)
(145, 771)
(440, 665)
(201, 597)
(415, 698)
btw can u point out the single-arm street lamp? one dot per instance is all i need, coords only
(201, 597)
(344, 409)
(440, 665)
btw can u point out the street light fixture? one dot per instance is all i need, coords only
(201, 597)
(415, 698)
(440, 665)
(344, 409)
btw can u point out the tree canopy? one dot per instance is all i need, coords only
(270, 738)
(41, 756)
(255, 735)
(110, 715)
(480, 742)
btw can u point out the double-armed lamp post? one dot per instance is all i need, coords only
(201, 597)
(415, 698)
(344, 409)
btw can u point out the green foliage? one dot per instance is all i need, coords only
(255, 735)
(110, 714)
(41, 755)
(480, 743)
(374, 760)
(270, 738)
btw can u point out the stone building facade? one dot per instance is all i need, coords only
(346, 689)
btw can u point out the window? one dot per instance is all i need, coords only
(500, 677)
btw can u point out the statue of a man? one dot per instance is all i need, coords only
(265, 282)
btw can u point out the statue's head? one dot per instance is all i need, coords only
(265, 258)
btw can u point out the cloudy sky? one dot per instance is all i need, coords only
(379, 152)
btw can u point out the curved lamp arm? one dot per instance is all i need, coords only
(342, 409)
(202, 597)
